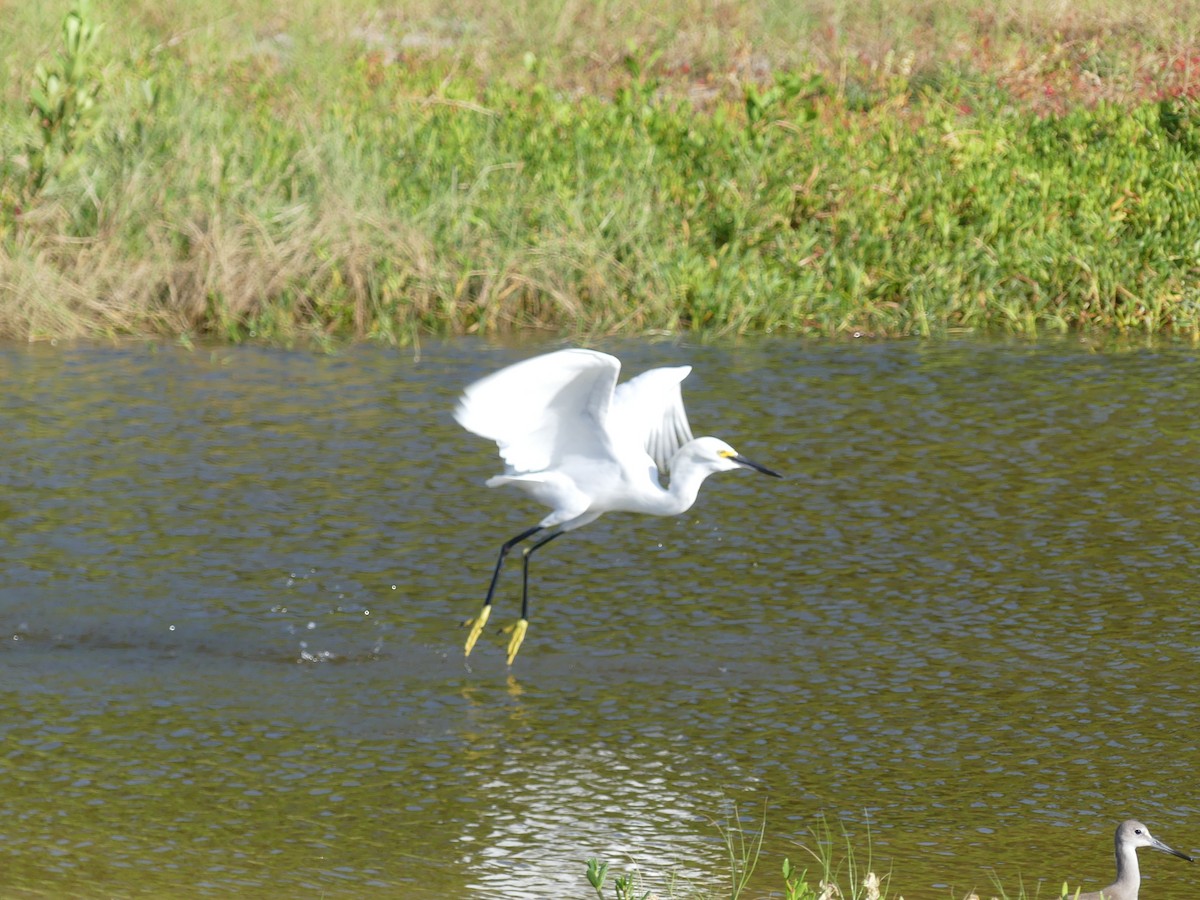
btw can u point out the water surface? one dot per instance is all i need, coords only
(233, 581)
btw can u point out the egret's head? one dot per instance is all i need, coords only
(723, 458)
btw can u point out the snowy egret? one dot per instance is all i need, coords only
(1131, 834)
(583, 446)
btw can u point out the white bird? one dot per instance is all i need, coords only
(583, 446)
(1130, 835)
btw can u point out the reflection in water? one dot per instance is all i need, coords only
(233, 582)
(548, 801)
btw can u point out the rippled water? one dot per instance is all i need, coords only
(233, 580)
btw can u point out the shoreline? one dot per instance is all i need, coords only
(386, 188)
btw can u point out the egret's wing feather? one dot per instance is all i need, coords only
(649, 410)
(543, 409)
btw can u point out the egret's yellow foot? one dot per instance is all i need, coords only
(518, 635)
(477, 628)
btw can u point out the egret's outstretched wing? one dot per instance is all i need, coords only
(649, 410)
(542, 409)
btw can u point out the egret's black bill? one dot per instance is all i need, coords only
(750, 464)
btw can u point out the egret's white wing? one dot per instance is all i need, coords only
(649, 410)
(543, 409)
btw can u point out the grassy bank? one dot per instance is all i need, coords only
(827, 866)
(356, 170)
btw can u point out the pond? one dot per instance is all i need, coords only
(962, 628)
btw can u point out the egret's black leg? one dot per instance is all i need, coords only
(480, 620)
(504, 549)
(525, 569)
(522, 625)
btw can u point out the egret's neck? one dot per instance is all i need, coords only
(686, 478)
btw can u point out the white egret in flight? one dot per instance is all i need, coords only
(583, 445)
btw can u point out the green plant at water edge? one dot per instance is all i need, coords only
(624, 886)
(795, 884)
(63, 97)
(597, 872)
(999, 893)
(743, 852)
(841, 876)
(844, 879)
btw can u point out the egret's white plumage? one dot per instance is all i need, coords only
(583, 445)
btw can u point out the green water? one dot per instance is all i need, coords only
(233, 582)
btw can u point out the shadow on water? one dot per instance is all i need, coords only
(233, 581)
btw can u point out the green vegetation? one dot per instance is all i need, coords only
(351, 170)
(838, 874)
